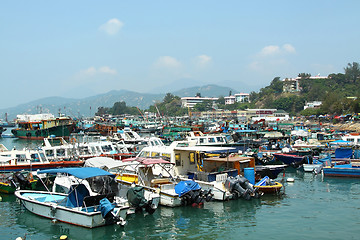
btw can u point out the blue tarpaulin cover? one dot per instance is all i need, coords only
(79, 172)
(343, 153)
(105, 206)
(77, 195)
(185, 186)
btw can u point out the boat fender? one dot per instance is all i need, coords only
(53, 210)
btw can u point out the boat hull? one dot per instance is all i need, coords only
(342, 171)
(39, 134)
(288, 159)
(84, 217)
(273, 189)
(35, 166)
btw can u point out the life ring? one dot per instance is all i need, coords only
(73, 140)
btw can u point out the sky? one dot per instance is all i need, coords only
(77, 49)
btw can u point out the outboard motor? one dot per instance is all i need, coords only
(135, 196)
(190, 193)
(23, 183)
(244, 182)
(106, 208)
(233, 185)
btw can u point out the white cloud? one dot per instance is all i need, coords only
(112, 26)
(273, 50)
(272, 58)
(203, 60)
(107, 70)
(289, 48)
(167, 62)
(269, 50)
(91, 71)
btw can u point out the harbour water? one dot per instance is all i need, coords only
(312, 207)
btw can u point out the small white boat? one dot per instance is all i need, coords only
(77, 207)
(315, 168)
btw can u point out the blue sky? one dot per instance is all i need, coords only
(82, 48)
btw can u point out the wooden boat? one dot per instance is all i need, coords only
(39, 126)
(77, 207)
(266, 185)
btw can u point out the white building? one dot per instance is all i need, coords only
(238, 97)
(293, 84)
(314, 104)
(190, 102)
(242, 97)
(229, 100)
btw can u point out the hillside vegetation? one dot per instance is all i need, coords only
(339, 94)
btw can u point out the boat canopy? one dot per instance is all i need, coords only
(105, 162)
(79, 172)
(206, 149)
(147, 161)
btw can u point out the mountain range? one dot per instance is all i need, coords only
(88, 106)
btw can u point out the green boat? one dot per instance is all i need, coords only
(40, 126)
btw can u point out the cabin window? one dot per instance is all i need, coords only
(60, 152)
(220, 139)
(49, 153)
(93, 150)
(35, 157)
(145, 154)
(211, 140)
(21, 157)
(155, 154)
(192, 157)
(166, 156)
(358, 140)
(202, 140)
(106, 148)
(177, 159)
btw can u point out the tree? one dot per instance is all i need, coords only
(352, 72)
(198, 94)
(168, 98)
(276, 85)
(205, 105)
(304, 75)
(221, 100)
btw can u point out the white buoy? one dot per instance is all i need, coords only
(290, 179)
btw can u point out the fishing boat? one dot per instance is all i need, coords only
(76, 207)
(189, 163)
(39, 126)
(31, 160)
(173, 193)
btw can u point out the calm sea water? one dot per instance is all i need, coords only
(312, 207)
